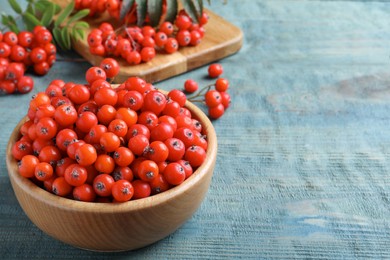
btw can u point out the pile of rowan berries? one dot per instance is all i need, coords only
(95, 143)
(20, 52)
(140, 44)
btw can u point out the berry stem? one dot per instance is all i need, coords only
(200, 93)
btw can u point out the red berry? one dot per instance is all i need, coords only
(215, 70)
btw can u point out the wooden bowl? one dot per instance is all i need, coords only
(115, 226)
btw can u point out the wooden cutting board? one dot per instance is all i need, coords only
(221, 40)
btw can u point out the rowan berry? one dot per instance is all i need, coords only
(38, 55)
(118, 127)
(221, 85)
(86, 121)
(196, 37)
(160, 39)
(217, 111)
(102, 184)
(104, 164)
(148, 170)
(183, 37)
(62, 165)
(86, 155)
(178, 96)
(17, 53)
(25, 84)
(195, 155)
(213, 98)
(20, 149)
(161, 132)
(84, 192)
(138, 144)
(171, 45)
(95, 73)
(73, 147)
(95, 133)
(147, 54)
(61, 187)
(106, 114)
(122, 173)
(133, 100)
(174, 173)
(79, 94)
(75, 175)
(123, 156)
(148, 118)
(176, 149)
(186, 135)
(154, 101)
(65, 115)
(64, 137)
(110, 66)
(14, 71)
(215, 70)
(109, 141)
(157, 151)
(43, 37)
(187, 167)
(5, 50)
(190, 86)
(226, 99)
(128, 115)
(167, 28)
(10, 38)
(183, 22)
(122, 190)
(50, 154)
(138, 129)
(142, 189)
(46, 128)
(133, 58)
(41, 68)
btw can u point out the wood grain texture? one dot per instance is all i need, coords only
(303, 161)
(221, 40)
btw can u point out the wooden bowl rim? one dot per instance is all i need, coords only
(44, 196)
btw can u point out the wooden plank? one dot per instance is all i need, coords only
(221, 40)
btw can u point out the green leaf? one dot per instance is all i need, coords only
(79, 15)
(154, 11)
(48, 15)
(9, 22)
(199, 7)
(141, 11)
(31, 19)
(64, 14)
(30, 8)
(57, 8)
(171, 10)
(66, 38)
(81, 24)
(126, 6)
(79, 34)
(15, 6)
(58, 38)
(190, 8)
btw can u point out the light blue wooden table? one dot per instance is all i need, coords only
(304, 150)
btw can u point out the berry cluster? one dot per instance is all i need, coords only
(99, 144)
(19, 52)
(218, 99)
(99, 6)
(140, 44)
